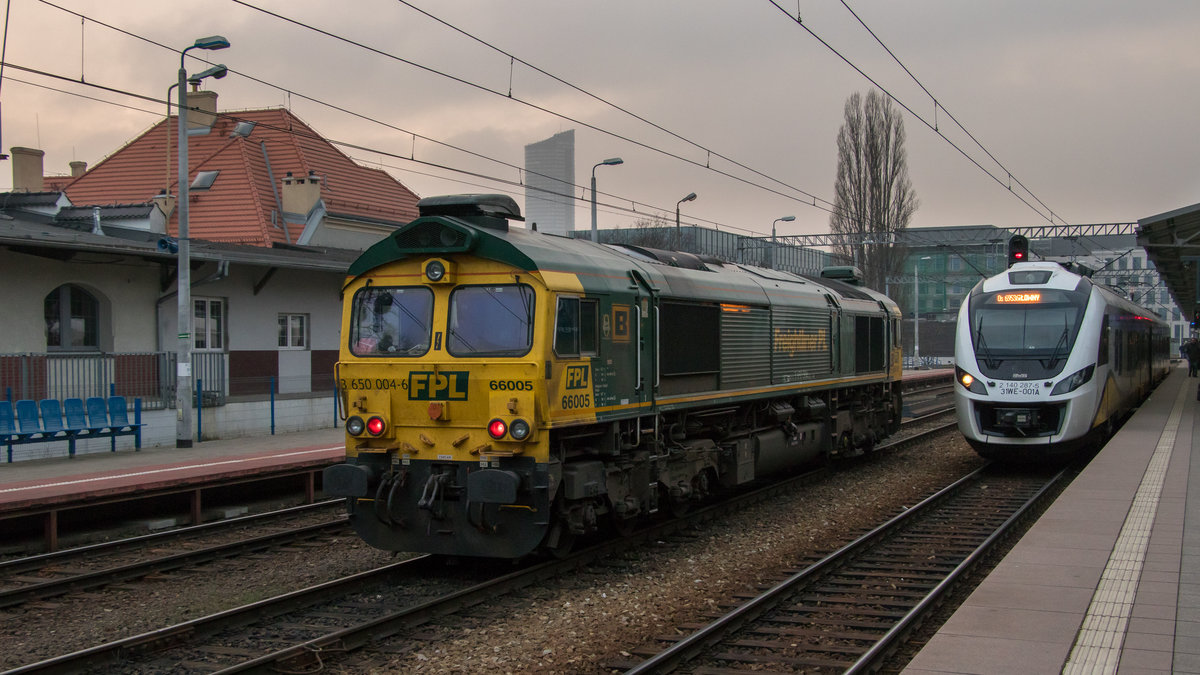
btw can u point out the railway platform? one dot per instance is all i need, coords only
(1108, 579)
(46, 489)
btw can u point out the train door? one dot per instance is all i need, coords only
(644, 323)
(835, 334)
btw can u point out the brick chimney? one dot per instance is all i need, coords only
(206, 115)
(27, 169)
(301, 194)
(78, 168)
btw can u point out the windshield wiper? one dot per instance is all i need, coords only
(981, 347)
(458, 336)
(1062, 341)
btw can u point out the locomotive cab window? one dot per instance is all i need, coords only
(391, 321)
(575, 327)
(491, 320)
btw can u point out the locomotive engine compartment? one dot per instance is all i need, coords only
(505, 391)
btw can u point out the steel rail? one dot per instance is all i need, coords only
(310, 652)
(870, 661)
(137, 570)
(117, 650)
(695, 644)
(34, 562)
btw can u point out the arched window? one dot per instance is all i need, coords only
(72, 319)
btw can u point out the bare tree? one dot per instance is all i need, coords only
(873, 195)
(652, 232)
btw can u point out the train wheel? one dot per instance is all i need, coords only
(623, 527)
(678, 508)
(559, 542)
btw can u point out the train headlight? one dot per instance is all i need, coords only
(1075, 381)
(435, 270)
(969, 381)
(355, 426)
(519, 429)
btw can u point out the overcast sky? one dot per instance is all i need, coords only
(1091, 105)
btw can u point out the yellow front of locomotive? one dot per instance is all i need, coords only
(442, 380)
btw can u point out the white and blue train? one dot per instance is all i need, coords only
(1048, 362)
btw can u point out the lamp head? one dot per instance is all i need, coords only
(216, 72)
(211, 42)
(689, 198)
(613, 161)
(788, 219)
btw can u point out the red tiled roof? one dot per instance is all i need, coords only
(56, 183)
(238, 207)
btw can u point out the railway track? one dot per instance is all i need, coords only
(85, 568)
(301, 630)
(849, 611)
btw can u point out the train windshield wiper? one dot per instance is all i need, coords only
(1062, 342)
(981, 347)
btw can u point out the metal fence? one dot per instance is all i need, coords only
(149, 376)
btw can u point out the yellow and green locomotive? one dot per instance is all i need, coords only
(505, 390)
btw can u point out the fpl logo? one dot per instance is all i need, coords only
(443, 386)
(577, 377)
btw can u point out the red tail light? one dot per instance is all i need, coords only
(375, 426)
(497, 428)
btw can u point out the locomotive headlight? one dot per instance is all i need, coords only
(355, 425)
(969, 381)
(435, 270)
(519, 429)
(1075, 381)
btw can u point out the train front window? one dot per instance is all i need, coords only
(391, 321)
(1035, 323)
(491, 320)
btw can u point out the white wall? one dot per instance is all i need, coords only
(127, 292)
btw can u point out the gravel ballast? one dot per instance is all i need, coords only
(576, 624)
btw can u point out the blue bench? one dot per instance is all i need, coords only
(43, 422)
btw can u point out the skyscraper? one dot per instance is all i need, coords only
(550, 183)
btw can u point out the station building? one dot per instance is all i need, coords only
(276, 215)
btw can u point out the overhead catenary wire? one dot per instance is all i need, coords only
(805, 199)
(608, 103)
(574, 120)
(815, 201)
(937, 105)
(797, 20)
(346, 144)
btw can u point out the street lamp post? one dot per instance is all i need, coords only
(216, 72)
(678, 235)
(183, 365)
(917, 311)
(774, 252)
(613, 161)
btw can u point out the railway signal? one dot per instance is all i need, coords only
(1018, 249)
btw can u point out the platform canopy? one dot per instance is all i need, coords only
(1172, 242)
